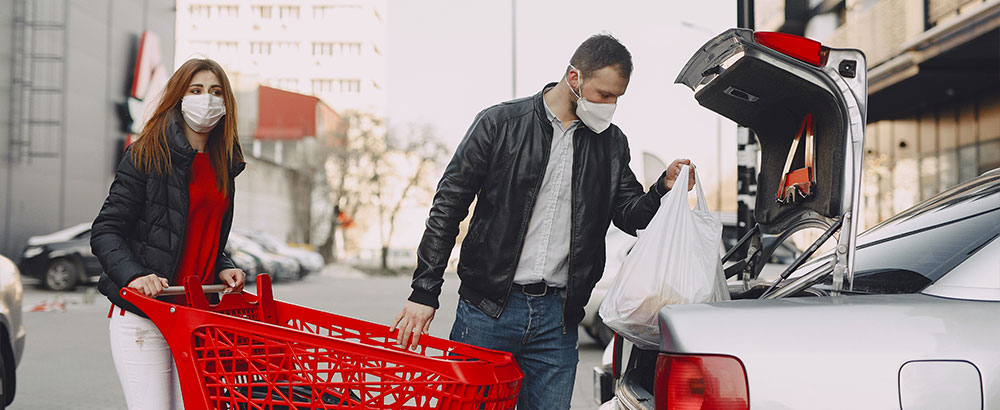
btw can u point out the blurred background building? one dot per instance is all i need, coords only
(67, 70)
(933, 83)
(333, 50)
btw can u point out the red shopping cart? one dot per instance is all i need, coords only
(253, 352)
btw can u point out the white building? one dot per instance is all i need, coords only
(333, 50)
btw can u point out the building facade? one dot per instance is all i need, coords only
(67, 71)
(933, 83)
(333, 50)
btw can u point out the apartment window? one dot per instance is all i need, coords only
(288, 84)
(350, 86)
(322, 86)
(261, 12)
(287, 47)
(332, 49)
(288, 12)
(200, 12)
(260, 48)
(229, 11)
(227, 51)
(336, 85)
(227, 47)
(329, 11)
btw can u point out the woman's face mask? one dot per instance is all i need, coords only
(596, 116)
(202, 111)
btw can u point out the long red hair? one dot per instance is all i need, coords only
(151, 153)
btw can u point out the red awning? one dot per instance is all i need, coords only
(284, 115)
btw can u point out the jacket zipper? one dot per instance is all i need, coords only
(524, 226)
(572, 231)
(187, 204)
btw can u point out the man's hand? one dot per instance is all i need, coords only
(234, 278)
(150, 285)
(674, 169)
(415, 319)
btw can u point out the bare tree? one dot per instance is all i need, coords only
(350, 172)
(405, 178)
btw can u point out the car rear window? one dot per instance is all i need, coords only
(908, 252)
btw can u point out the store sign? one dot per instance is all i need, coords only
(148, 80)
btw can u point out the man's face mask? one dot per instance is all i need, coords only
(202, 111)
(596, 116)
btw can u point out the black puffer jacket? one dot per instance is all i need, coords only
(502, 160)
(140, 229)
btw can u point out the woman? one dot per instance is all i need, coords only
(167, 217)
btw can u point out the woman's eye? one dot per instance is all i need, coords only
(195, 91)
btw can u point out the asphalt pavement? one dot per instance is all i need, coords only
(67, 361)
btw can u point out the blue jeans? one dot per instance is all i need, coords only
(530, 327)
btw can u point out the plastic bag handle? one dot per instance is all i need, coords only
(702, 204)
(681, 183)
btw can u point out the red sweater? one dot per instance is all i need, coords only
(206, 208)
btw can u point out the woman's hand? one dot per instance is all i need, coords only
(150, 285)
(234, 278)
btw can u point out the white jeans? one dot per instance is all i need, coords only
(144, 364)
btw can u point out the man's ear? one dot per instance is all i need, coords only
(573, 78)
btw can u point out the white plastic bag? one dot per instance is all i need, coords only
(675, 260)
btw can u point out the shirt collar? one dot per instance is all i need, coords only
(548, 111)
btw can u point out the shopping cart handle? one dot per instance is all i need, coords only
(179, 290)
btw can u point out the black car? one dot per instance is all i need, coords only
(61, 260)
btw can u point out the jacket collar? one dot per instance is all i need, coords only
(544, 118)
(182, 153)
(540, 104)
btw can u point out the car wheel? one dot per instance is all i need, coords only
(62, 275)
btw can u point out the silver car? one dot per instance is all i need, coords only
(11, 329)
(903, 316)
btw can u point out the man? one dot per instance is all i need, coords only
(550, 172)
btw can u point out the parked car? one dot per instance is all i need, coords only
(280, 267)
(902, 316)
(309, 261)
(62, 259)
(12, 334)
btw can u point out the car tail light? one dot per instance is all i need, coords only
(700, 383)
(801, 48)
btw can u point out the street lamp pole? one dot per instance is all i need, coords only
(513, 48)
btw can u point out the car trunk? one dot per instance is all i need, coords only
(762, 88)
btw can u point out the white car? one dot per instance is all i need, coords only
(11, 329)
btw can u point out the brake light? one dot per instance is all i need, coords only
(700, 383)
(801, 48)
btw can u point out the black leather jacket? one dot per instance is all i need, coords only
(140, 229)
(502, 160)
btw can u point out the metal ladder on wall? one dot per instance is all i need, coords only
(38, 90)
(38, 80)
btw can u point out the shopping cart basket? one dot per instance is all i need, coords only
(253, 352)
